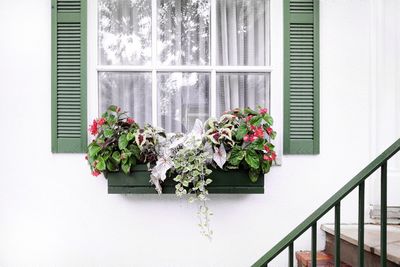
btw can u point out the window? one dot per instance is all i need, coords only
(168, 62)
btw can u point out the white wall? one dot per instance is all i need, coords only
(54, 213)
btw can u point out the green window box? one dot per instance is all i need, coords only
(224, 182)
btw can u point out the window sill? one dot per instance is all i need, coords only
(224, 182)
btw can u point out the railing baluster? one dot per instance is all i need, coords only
(314, 245)
(337, 234)
(361, 201)
(291, 255)
(383, 213)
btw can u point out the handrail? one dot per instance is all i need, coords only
(334, 201)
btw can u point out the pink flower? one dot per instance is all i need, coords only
(101, 121)
(266, 148)
(246, 138)
(273, 156)
(130, 120)
(263, 111)
(248, 118)
(94, 128)
(267, 158)
(253, 138)
(259, 132)
(269, 130)
(96, 173)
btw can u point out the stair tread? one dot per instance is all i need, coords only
(323, 259)
(349, 233)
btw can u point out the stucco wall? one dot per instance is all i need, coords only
(54, 213)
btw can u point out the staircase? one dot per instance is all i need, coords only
(362, 259)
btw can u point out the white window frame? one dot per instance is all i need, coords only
(275, 68)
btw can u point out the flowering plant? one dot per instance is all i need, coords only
(114, 148)
(239, 139)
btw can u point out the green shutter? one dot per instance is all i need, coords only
(301, 77)
(68, 107)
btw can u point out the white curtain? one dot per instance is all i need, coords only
(131, 91)
(184, 39)
(242, 30)
(183, 97)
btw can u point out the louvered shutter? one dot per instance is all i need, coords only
(69, 122)
(301, 77)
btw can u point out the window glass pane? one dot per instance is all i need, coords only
(124, 32)
(242, 32)
(129, 90)
(240, 90)
(182, 98)
(183, 32)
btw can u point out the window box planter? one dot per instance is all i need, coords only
(224, 182)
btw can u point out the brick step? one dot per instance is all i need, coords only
(323, 259)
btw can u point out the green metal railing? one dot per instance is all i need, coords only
(334, 202)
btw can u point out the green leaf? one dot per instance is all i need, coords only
(250, 111)
(112, 108)
(236, 156)
(101, 165)
(94, 149)
(135, 150)
(108, 132)
(241, 131)
(252, 159)
(111, 166)
(132, 161)
(258, 144)
(273, 135)
(268, 119)
(126, 167)
(130, 136)
(122, 141)
(266, 165)
(106, 154)
(256, 120)
(254, 174)
(116, 156)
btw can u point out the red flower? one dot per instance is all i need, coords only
(269, 130)
(253, 128)
(253, 138)
(216, 136)
(248, 118)
(266, 157)
(263, 111)
(246, 138)
(273, 156)
(130, 120)
(96, 173)
(94, 128)
(259, 132)
(266, 148)
(101, 121)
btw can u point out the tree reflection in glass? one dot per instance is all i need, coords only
(183, 32)
(124, 32)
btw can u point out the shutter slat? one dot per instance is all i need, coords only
(301, 134)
